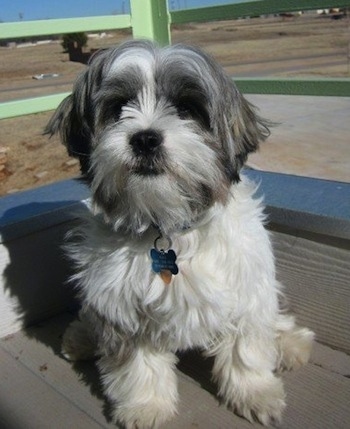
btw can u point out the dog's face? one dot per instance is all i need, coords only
(161, 134)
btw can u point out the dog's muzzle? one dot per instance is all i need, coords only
(146, 146)
(146, 143)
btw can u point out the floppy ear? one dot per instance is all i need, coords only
(73, 122)
(248, 130)
(243, 129)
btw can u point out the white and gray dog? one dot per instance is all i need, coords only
(175, 254)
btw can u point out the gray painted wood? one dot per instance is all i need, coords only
(40, 390)
(315, 275)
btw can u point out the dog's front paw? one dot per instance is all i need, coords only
(261, 399)
(295, 348)
(142, 390)
(77, 343)
(149, 415)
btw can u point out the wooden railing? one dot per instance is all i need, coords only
(151, 19)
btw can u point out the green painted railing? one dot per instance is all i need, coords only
(151, 19)
(13, 30)
(252, 8)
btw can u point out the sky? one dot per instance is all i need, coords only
(28, 10)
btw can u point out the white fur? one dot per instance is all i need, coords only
(162, 135)
(144, 390)
(212, 286)
(224, 300)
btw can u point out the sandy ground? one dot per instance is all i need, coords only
(304, 46)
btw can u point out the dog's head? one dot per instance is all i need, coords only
(161, 133)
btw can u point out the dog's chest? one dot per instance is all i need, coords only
(190, 311)
(197, 305)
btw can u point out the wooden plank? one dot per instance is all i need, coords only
(315, 272)
(316, 399)
(32, 229)
(28, 401)
(28, 106)
(338, 87)
(317, 395)
(150, 20)
(33, 282)
(331, 360)
(12, 30)
(26, 212)
(37, 353)
(304, 203)
(250, 9)
(37, 349)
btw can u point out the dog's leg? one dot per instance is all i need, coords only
(142, 389)
(244, 370)
(293, 343)
(78, 342)
(245, 364)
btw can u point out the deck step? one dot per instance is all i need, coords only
(40, 390)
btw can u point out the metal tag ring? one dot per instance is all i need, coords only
(162, 248)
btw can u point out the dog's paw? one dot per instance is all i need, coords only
(77, 343)
(143, 390)
(262, 400)
(295, 348)
(150, 415)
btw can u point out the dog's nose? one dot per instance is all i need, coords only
(145, 142)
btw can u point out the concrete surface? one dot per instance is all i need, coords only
(311, 136)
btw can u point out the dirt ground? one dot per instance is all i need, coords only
(307, 45)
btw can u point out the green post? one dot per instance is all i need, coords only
(150, 20)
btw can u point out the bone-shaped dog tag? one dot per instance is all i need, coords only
(164, 262)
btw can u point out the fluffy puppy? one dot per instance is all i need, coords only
(174, 254)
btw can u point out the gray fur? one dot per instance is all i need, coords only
(186, 78)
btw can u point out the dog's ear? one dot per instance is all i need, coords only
(72, 121)
(244, 130)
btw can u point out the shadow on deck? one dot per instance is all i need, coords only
(41, 390)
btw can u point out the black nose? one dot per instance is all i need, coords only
(145, 142)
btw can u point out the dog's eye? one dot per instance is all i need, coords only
(118, 109)
(112, 109)
(188, 109)
(184, 109)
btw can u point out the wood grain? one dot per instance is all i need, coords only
(41, 390)
(316, 276)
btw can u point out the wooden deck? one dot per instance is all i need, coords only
(40, 390)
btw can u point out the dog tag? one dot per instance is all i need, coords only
(164, 261)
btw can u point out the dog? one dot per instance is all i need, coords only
(174, 254)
